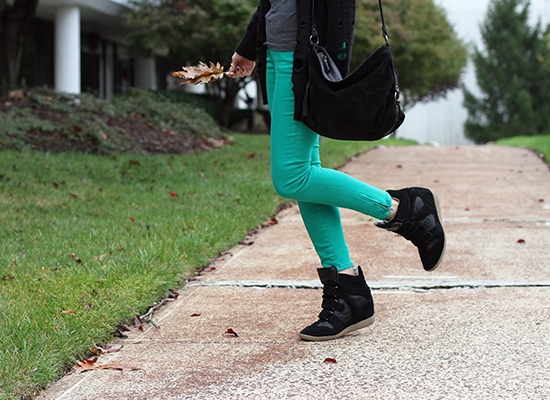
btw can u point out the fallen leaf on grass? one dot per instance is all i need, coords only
(16, 95)
(104, 135)
(76, 258)
(101, 257)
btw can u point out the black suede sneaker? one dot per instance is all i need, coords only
(347, 306)
(418, 219)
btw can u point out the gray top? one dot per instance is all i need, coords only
(281, 25)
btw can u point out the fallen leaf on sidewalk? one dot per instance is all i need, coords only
(118, 366)
(137, 322)
(231, 332)
(86, 365)
(89, 365)
(248, 241)
(271, 221)
(109, 349)
(123, 327)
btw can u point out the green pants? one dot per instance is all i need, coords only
(297, 173)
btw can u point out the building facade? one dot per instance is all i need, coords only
(78, 45)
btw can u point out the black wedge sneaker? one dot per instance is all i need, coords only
(418, 220)
(347, 306)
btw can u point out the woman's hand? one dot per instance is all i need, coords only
(240, 67)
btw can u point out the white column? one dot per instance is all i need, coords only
(67, 50)
(145, 74)
(109, 70)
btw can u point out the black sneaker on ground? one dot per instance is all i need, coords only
(418, 219)
(347, 306)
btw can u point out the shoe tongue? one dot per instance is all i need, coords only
(328, 275)
(403, 199)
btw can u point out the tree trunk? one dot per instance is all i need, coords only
(14, 22)
(231, 90)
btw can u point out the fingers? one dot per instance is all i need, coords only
(240, 66)
(238, 71)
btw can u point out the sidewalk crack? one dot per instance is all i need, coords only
(381, 285)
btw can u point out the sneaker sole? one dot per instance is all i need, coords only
(438, 209)
(351, 328)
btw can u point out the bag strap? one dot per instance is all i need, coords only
(314, 38)
(384, 31)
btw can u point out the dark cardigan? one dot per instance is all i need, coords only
(335, 33)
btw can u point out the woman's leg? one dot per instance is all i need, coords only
(297, 172)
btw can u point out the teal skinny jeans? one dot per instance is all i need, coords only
(297, 172)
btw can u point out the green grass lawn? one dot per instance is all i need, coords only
(88, 242)
(540, 143)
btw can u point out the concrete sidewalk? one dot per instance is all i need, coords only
(476, 328)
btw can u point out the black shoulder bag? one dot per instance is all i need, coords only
(364, 105)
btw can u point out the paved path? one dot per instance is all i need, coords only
(476, 328)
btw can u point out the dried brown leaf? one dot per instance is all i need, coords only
(86, 365)
(231, 332)
(16, 95)
(193, 75)
(118, 366)
(108, 349)
(137, 322)
(270, 222)
(123, 327)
